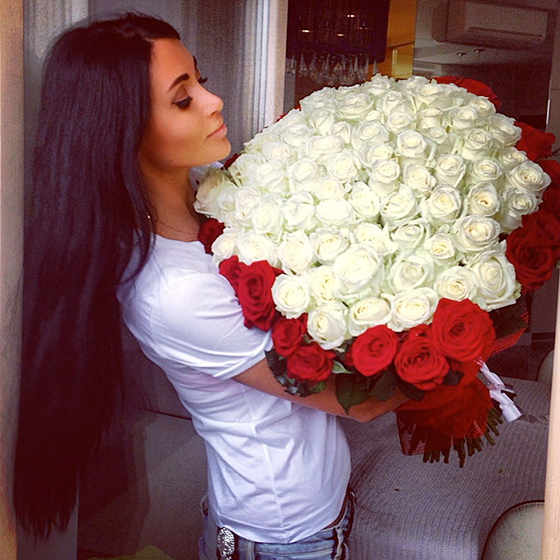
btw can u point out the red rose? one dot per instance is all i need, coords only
(373, 350)
(253, 291)
(551, 199)
(532, 257)
(287, 334)
(472, 86)
(230, 268)
(309, 363)
(419, 363)
(534, 142)
(208, 232)
(462, 331)
(544, 224)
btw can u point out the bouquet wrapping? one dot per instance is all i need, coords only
(386, 233)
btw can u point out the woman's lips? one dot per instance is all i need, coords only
(221, 131)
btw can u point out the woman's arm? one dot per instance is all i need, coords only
(261, 378)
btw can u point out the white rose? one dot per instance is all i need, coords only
(328, 187)
(431, 117)
(482, 106)
(473, 234)
(444, 141)
(503, 129)
(299, 211)
(302, 175)
(511, 157)
(327, 325)
(379, 84)
(517, 204)
(318, 99)
(450, 169)
(324, 283)
(393, 102)
(296, 134)
(344, 165)
(397, 122)
(322, 119)
(278, 151)
(412, 308)
(443, 206)
(353, 104)
(224, 246)
(357, 268)
(412, 269)
(413, 84)
(246, 199)
(411, 234)
(375, 237)
(342, 129)
(384, 175)
(267, 216)
(368, 312)
(456, 283)
(295, 253)
(271, 176)
(399, 206)
(477, 143)
(364, 201)
(320, 148)
(328, 244)
(483, 200)
(433, 94)
(252, 247)
(484, 170)
(412, 145)
(370, 153)
(463, 118)
(334, 212)
(419, 178)
(291, 295)
(442, 249)
(242, 170)
(528, 176)
(214, 192)
(369, 132)
(495, 278)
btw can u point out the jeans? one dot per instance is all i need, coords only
(327, 544)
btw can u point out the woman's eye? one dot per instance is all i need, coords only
(183, 103)
(202, 80)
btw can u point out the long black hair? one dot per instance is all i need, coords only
(87, 203)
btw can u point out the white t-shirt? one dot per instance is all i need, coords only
(277, 471)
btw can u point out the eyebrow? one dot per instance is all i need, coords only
(182, 78)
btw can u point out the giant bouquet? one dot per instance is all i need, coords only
(376, 230)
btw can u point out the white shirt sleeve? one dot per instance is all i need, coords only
(197, 321)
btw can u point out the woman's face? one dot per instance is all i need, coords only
(186, 127)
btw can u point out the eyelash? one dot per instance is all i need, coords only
(184, 103)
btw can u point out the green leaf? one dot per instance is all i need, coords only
(507, 320)
(384, 386)
(339, 368)
(351, 390)
(410, 391)
(452, 378)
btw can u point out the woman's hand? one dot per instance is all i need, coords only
(261, 378)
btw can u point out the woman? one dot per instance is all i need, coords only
(124, 118)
